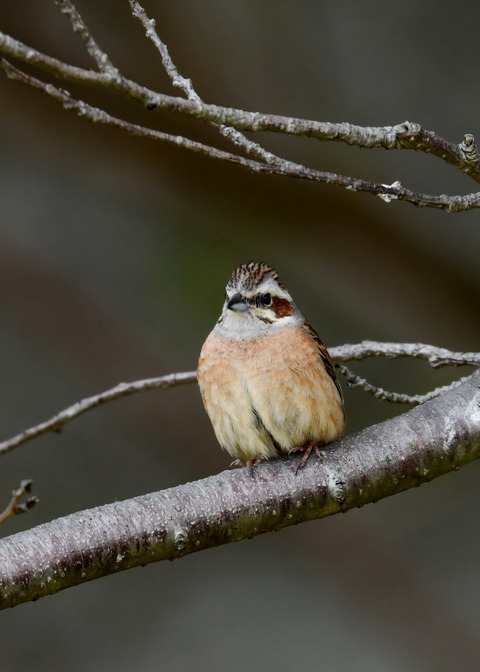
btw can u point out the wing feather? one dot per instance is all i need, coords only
(324, 356)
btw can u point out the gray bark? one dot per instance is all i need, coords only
(428, 441)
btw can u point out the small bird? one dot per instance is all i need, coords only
(267, 381)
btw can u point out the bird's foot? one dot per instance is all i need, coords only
(249, 463)
(307, 450)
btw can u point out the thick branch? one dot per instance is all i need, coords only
(431, 440)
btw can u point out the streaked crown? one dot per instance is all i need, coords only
(256, 300)
(249, 276)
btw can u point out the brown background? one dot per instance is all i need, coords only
(114, 253)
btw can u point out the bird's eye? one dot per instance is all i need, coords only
(267, 299)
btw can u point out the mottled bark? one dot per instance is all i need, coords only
(428, 441)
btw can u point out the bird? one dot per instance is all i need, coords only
(267, 381)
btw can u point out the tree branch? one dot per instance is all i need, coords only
(435, 356)
(100, 57)
(395, 397)
(463, 156)
(14, 507)
(386, 192)
(406, 135)
(56, 423)
(186, 85)
(388, 458)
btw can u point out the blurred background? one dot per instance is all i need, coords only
(114, 254)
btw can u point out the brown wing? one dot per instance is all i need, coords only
(324, 356)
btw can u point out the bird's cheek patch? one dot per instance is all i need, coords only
(282, 307)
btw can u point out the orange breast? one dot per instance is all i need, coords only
(268, 395)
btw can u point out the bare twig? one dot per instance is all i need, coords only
(406, 135)
(463, 156)
(177, 79)
(239, 139)
(435, 356)
(100, 57)
(395, 397)
(14, 508)
(387, 192)
(56, 423)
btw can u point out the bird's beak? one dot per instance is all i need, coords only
(237, 303)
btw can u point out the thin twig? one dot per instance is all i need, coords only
(239, 139)
(407, 135)
(56, 423)
(149, 25)
(387, 192)
(435, 356)
(353, 380)
(102, 60)
(14, 508)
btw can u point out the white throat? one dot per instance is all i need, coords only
(245, 324)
